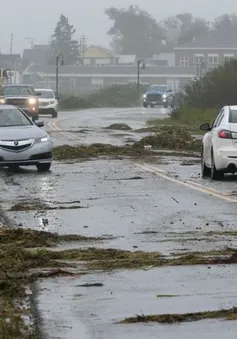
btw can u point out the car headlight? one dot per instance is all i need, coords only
(144, 96)
(164, 96)
(32, 101)
(43, 139)
(2, 101)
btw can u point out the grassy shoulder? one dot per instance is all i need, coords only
(189, 118)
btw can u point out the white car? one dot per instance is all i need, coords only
(48, 103)
(219, 144)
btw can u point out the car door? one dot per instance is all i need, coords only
(209, 136)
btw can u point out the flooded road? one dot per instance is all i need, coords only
(162, 206)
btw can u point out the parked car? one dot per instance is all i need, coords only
(219, 144)
(157, 95)
(48, 103)
(22, 142)
(22, 96)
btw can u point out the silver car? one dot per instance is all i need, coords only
(22, 142)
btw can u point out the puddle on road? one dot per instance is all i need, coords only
(92, 312)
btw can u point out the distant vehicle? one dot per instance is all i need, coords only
(22, 142)
(22, 96)
(48, 103)
(219, 144)
(157, 95)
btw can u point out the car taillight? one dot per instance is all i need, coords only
(224, 134)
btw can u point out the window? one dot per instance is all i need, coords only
(218, 118)
(228, 57)
(46, 94)
(198, 59)
(13, 117)
(213, 59)
(233, 116)
(17, 91)
(184, 61)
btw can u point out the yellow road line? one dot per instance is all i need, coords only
(188, 183)
(53, 125)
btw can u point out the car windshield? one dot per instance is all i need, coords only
(157, 88)
(10, 117)
(46, 94)
(12, 91)
(233, 116)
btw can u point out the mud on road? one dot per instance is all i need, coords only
(161, 241)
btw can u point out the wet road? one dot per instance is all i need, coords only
(163, 206)
(88, 126)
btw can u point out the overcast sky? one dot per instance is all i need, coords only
(37, 19)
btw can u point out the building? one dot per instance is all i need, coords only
(12, 63)
(82, 79)
(39, 54)
(98, 56)
(209, 51)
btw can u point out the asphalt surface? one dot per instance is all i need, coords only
(163, 206)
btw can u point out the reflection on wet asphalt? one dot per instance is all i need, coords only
(118, 207)
(143, 212)
(93, 312)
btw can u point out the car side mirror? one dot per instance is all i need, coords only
(205, 127)
(57, 97)
(39, 123)
(170, 90)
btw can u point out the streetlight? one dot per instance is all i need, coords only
(140, 65)
(59, 58)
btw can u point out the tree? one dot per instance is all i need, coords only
(134, 31)
(215, 89)
(63, 42)
(191, 27)
(225, 26)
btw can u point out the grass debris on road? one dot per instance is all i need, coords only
(227, 314)
(172, 138)
(119, 127)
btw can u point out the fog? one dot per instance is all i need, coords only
(37, 19)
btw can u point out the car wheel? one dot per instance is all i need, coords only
(13, 167)
(144, 105)
(43, 167)
(206, 172)
(165, 105)
(54, 114)
(152, 106)
(215, 175)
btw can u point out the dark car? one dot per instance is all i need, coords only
(157, 95)
(22, 96)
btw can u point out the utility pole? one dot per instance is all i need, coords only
(83, 46)
(11, 44)
(140, 65)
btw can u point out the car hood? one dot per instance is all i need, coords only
(22, 132)
(156, 92)
(15, 97)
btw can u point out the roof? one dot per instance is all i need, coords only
(38, 54)
(44, 89)
(210, 42)
(18, 85)
(9, 60)
(103, 50)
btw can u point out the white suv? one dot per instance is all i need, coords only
(219, 144)
(48, 103)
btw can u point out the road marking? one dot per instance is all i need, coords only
(190, 184)
(54, 126)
